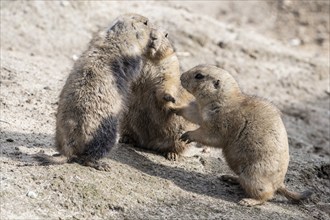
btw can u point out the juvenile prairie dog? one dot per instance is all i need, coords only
(249, 130)
(94, 94)
(148, 122)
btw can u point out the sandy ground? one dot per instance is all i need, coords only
(276, 49)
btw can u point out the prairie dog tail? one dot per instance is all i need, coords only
(294, 196)
(45, 159)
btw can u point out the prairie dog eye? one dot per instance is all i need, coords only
(146, 23)
(166, 35)
(199, 76)
(216, 84)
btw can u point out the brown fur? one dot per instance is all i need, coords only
(148, 122)
(248, 129)
(94, 94)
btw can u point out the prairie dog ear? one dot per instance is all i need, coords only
(116, 24)
(216, 84)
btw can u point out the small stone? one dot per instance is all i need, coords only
(65, 3)
(32, 194)
(75, 57)
(221, 44)
(295, 42)
(319, 40)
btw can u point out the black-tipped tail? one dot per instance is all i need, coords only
(294, 196)
(45, 159)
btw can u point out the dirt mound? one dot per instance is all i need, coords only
(278, 50)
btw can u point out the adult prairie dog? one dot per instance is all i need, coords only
(249, 130)
(148, 122)
(94, 94)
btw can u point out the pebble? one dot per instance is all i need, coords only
(75, 57)
(65, 3)
(295, 42)
(32, 194)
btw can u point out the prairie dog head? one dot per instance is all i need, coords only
(159, 47)
(209, 83)
(133, 29)
(128, 21)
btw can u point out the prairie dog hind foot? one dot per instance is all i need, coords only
(96, 164)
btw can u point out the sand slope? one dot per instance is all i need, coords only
(278, 50)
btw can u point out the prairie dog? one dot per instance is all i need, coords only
(249, 130)
(94, 94)
(148, 122)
